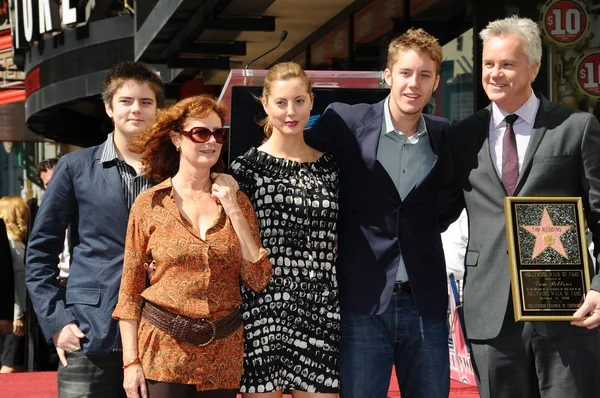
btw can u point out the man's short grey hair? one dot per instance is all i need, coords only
(526, 29)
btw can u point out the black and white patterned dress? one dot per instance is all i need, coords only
(291, 329)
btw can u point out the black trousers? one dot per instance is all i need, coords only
(167, 390)
(523, 363)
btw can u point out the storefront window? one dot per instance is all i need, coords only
(454, 96)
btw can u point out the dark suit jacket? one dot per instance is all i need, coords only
(562, 159)
(375, 225)
(87, 195)
(7, 280)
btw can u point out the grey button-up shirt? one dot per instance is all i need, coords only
(407, 160)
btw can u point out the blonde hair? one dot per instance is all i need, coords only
(14, 212)
(279, 72)
(418, 40)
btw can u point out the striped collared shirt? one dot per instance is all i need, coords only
(131, 183)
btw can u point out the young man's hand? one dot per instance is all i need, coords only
(67, 339)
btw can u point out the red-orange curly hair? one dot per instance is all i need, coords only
(160, 159)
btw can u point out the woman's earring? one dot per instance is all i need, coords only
(177, 148)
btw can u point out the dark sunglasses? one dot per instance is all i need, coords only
(202, 134)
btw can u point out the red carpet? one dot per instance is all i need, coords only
(43, 385)
(28, 385)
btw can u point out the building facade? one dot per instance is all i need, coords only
(65, 48)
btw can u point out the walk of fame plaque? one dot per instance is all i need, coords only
(548, 257)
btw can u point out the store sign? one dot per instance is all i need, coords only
(571, 28)
(565, 22)
(30, 19)
(32, 82)
(588, 72)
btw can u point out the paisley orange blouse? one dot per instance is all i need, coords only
(193, 277)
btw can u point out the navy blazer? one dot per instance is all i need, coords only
(375, 225)
(87, 195)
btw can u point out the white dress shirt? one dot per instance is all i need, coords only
(454, 242)
(590, 245)
(64, 259)
(522, 128)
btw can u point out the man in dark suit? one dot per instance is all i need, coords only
(523, 145)
(45, 171)
(7, 280)
(393, 162)
(92, 190)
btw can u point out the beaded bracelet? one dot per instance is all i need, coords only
(134, 361)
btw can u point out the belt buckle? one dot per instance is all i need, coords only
(401, 288)
(213, 333)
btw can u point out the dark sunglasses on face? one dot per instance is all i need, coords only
(202, 134)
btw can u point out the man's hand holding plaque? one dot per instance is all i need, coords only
(590, 305)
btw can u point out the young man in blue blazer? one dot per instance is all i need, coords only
(394, 170)
(92, 191)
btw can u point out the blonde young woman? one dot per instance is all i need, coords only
(14, 212)
(291, 329)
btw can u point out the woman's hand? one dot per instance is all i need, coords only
(19, 327)
(224, 189)
(150, 269)
(134, 382)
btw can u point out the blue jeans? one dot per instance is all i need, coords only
(371, 344)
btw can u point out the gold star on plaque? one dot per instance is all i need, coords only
(547, 235)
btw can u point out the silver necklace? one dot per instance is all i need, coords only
(195, 200)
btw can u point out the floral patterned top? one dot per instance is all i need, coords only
(192, 277)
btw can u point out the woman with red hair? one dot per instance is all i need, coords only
(195, 237)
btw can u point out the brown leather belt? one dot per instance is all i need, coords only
(200, 332)
(402, 288)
